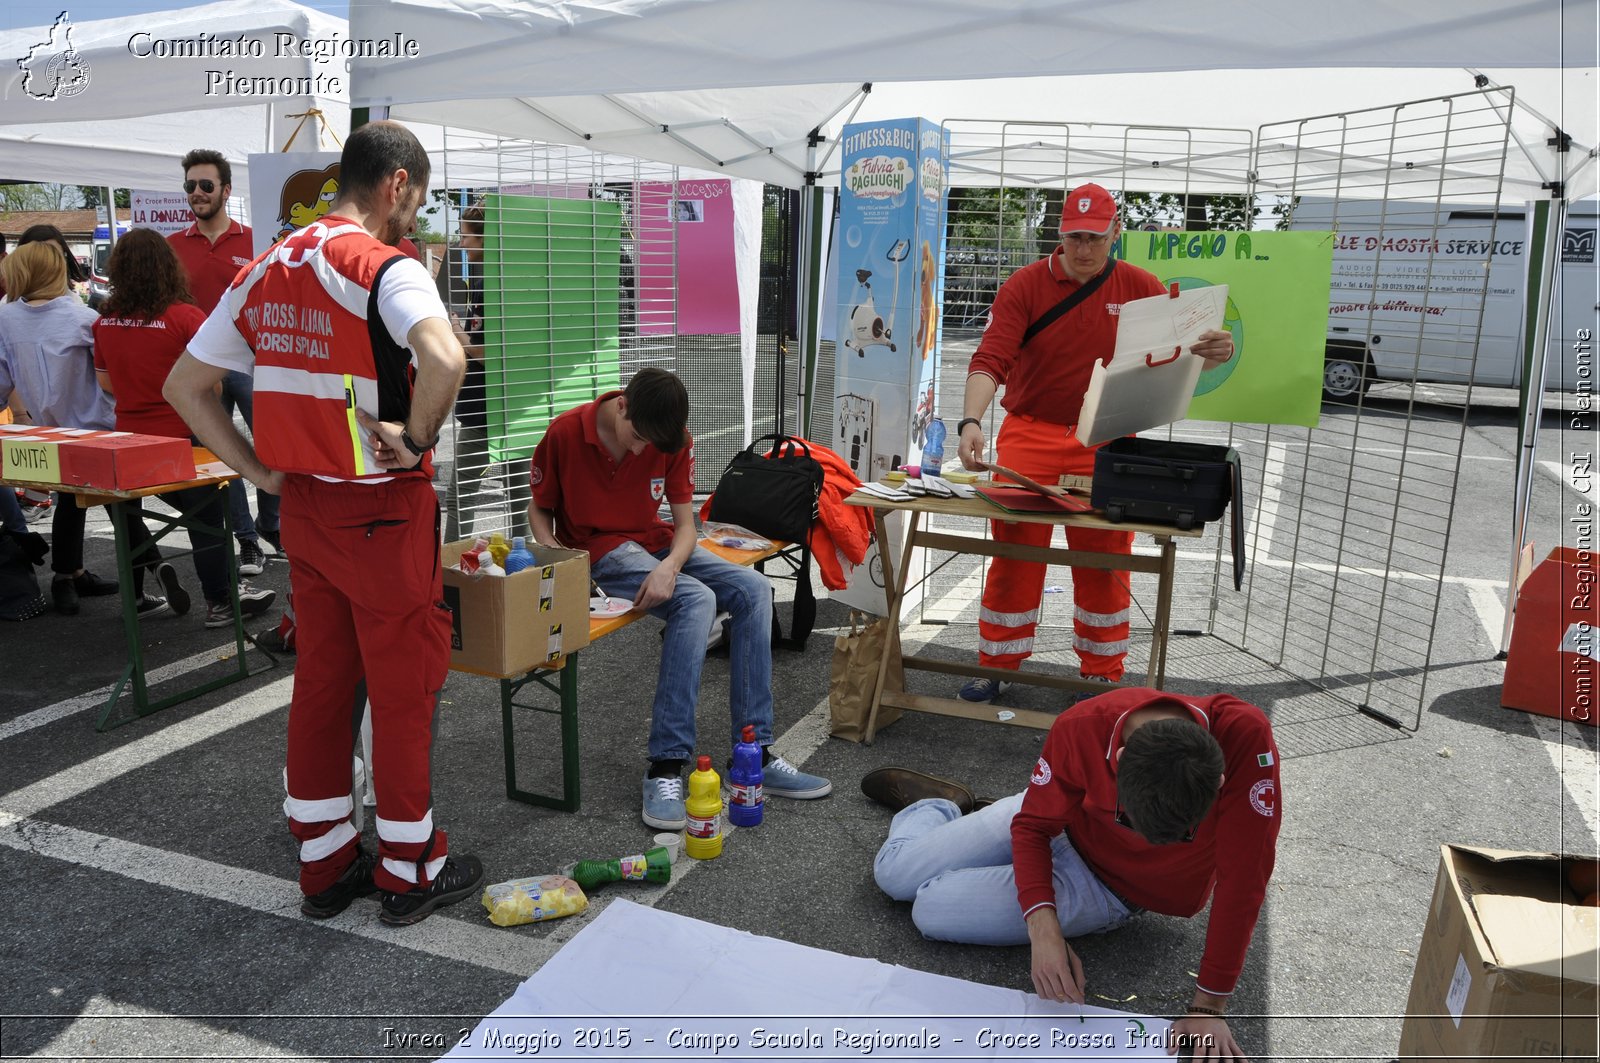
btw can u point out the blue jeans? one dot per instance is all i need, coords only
(706, 586)
(238, 389)
(956, 870)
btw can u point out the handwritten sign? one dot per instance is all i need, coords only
(30, 458)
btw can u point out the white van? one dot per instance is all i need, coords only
(1411, 282)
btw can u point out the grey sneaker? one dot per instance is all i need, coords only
(1085, 695)
(779, 778)
(251, 559)
(663, 803)
(150, 605)
(982, 689)
(252, 602)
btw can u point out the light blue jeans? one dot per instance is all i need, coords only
(956, 870)
(706, 586)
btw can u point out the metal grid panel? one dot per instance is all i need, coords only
(1347, 523)
(579, 309)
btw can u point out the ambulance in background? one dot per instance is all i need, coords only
(1412, 281)
(99, 285)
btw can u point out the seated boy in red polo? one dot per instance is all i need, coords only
(599, 478)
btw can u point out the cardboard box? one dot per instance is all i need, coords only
(81, 457)
(1509, 965)
(1554, 660)
(506, 625)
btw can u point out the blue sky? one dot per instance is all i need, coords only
(19, 13)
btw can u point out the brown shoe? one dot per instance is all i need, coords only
(895, 788)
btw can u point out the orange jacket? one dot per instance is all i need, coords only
(841, 534)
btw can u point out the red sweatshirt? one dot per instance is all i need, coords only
(1074, 788)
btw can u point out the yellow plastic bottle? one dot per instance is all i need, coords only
(702, 838)
(499, 548)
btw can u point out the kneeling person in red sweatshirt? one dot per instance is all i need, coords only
(1140, 801)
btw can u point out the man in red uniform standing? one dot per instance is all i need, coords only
(213, 249)
(355, 369)
(1141, 800)
(1045, 378)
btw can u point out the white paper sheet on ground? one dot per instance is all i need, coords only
(1152, 374)
(682, 988)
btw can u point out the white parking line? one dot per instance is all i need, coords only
(1576, 764)
(451, 939)
(95, 698)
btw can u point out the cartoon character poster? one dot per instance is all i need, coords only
(289, 191)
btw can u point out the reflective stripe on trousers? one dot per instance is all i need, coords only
(1014, 588)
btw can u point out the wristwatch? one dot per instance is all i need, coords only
(416, 448)
(962, 424)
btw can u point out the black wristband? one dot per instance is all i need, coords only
(1200, 1009)
(416, 448)
(961, 425)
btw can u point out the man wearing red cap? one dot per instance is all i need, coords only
(1045, 377)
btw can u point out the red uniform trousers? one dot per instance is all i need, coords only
(364, 561)
(1011, 595)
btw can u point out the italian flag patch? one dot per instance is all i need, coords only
(1264, 760)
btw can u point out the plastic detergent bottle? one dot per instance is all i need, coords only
(933, 447)
(702, 838)
(653, 866)
(499, 548)
(744, 781)
(518, 559)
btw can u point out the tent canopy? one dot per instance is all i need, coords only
(140, 107)
(736, 86)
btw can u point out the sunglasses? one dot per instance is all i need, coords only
(1120, 818)
(207, 186)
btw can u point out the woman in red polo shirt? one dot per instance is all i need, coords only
(146, 323)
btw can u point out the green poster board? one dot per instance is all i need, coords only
(552, 274)
(1277, 311)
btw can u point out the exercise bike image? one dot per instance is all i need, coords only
(867, 328)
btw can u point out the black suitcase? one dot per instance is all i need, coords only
(1162, 481)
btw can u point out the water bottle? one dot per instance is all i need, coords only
(933, 448)
(653, 866)
(702, 838)
(744, 781)
(519, 558)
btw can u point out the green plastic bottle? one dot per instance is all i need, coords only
(702, 838)
(653, 866)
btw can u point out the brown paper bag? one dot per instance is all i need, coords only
(855, 670)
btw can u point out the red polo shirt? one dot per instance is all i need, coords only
(212, 266)
(1047, 378)
(599, 504)
(139, 355)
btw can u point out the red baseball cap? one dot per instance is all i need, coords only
(1088, 209)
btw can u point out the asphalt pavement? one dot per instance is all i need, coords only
(150, 877)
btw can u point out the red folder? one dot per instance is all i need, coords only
(1022, 500)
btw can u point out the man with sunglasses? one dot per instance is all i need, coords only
(1140, 801)
(212, 250)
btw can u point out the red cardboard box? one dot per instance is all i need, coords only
(79, 457)
(1554, 659)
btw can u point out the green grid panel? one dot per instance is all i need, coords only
(552, 281)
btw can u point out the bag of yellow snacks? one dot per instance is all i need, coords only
(530, 900)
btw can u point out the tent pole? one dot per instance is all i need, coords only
(812, 270)
(1549, 222)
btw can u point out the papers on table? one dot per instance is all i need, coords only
(916, 487)
(1152, 374)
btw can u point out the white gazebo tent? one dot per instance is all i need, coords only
(140, 107)
(760, 90)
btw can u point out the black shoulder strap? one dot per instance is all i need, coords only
(1050, 316)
